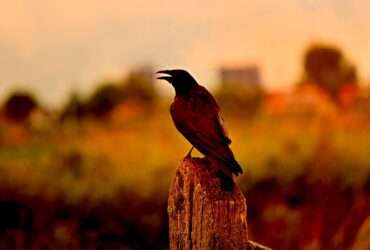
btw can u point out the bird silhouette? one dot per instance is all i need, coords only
(197, 116)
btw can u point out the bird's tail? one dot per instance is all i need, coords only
(235, 167)
(226, 172)
(228, 167)
(226, 156)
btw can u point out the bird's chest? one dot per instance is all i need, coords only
(189, 109)
(187, 114)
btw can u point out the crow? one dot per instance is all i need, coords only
(197, 116)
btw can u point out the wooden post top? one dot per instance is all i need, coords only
(202, 214)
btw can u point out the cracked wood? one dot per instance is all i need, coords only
(203, 216)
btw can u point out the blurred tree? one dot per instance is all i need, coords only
(19, 106)
(328, 68)
(241, 98)
(74, 109)
(104, 99)
(139, 86)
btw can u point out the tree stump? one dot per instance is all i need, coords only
(203, 216)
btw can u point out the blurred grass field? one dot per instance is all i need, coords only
(93, 170)
(141, 156)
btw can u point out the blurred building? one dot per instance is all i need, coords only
(249, 74)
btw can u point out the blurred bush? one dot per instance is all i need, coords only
(75, 108)
(139, 87)
(19, 106)
(136, 89)
(327, 67)
(104, 99)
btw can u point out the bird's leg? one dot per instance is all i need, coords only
(189, 153)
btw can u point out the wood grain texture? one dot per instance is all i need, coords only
(202, 216)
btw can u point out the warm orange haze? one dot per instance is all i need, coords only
(88, 148)
(57, 47)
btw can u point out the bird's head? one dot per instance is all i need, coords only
(180, 79)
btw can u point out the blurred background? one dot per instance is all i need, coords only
(88, 149)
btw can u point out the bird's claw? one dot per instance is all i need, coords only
(188, 155)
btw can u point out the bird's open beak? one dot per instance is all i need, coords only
(166, 77)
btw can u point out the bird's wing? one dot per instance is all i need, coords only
(221, 128)
(210, 113)
(207, 135)
(201, 123)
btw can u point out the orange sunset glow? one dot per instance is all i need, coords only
(56, 47)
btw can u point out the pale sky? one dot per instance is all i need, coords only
(55, 47)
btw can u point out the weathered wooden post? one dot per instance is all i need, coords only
(203, 216)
